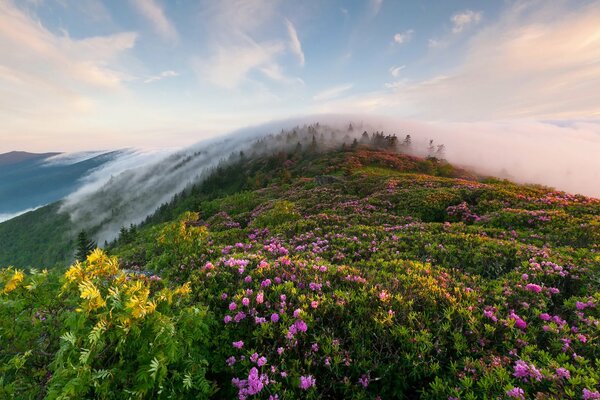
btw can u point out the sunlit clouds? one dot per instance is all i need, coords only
(150, 73)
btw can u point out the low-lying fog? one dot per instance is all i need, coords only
(564, 156)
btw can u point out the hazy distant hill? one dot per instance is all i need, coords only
(29, 180)
(15, 157)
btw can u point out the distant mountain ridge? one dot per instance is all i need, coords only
(28, 180)
(15, 157)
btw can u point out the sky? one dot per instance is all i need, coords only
(103, 74)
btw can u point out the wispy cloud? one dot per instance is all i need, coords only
(333, 92)
(162, 75)
(375, 6)
(395, 71)
(154, 13)
(242, 45)
(229, 65)
(531, 63)
(295, 45)
(403, 37)
(465, 18)
(42, 70)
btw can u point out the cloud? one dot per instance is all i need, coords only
(295, 45)
(150, 10)
(229, 65)
(403, 37)
(465, 18)
(242, 46)
(375, 6)
(333, 92)
(51, 77)
(532, 63)
(395, 71)
(162, 75)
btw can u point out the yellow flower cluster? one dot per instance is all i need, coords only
(13, 282)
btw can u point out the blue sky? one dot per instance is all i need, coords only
(84, 74)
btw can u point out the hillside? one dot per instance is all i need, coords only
(346, 271)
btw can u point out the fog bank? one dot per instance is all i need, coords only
(564, 156)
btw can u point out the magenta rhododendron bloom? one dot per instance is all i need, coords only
(274, 317)
(306, 382)
(239, 344)
(545, 317)
(364, 380)
(516, 393)
(526, 372)
(532, 287)
(301, 326)
(590, 395)
(563, 373)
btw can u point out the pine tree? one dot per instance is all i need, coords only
(84, 246)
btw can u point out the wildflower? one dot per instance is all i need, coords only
(589, 395)
(364, 380)
(384, 295)
(227, 319)
(315, 347)
(297, 312)
(230, 361)
(265, 283)
(532, 287)
(545, 317)
(255, 382)
(519, 322)
(245, 302)
(232, 306)
(280, 350)
(516, 393)
(274, 317)
(307, 382)
(563, 373)
(301, 326)
(238, 345)
(490, 314)
(582, 306)
(248, 279)
(260, 298)
(239, 316)
(526, 371)
(261, 361)
(314, 304)
(254, 357)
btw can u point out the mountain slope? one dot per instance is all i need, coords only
(346, 272)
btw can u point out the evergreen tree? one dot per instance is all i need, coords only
(84, 246)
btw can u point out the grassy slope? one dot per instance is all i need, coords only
(383, 213)
(411, 278)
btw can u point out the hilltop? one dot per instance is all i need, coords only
(346, 270)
